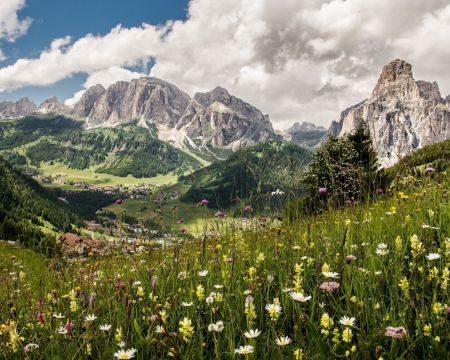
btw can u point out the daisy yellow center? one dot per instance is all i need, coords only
(244, 351)
(283, 343)
(124, 356)
(273, 309)
(347, 322)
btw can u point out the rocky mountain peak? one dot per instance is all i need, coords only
(52, 105)
(395, 71)
(87, 101)
(22, 107)
(402, 114)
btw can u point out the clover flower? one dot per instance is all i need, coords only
(329, 286)
(396, 332)
(322, 190)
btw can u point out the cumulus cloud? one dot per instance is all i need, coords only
(105, 77)
(10, 26)
(297, 60)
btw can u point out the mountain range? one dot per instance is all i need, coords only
(214, 119)
(402, 115)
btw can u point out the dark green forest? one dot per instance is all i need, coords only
(248, 172)
(23, 203)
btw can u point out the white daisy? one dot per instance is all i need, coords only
(286, 290)
(283, 340)
(159, 329)
(203, 273)
(90, 318)
(330, 274)
(59, 316)
(125, 354)
(433, 256)
(251, 334)
(187, 304)
(347, 321)
(244, 350)
(297, 296)
(217, 286)
(105, 327)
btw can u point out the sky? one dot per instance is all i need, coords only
(296, 60)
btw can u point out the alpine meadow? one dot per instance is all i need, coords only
(187, 194)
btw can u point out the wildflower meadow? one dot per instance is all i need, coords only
(368, 280)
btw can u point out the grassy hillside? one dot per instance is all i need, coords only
(120, 151)
(368, 281)
(436, 155)
(251, 172)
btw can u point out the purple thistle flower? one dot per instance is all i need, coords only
(322, 190)
(350, 258)
(204, 202)
(40, 317)
(219, 214)
(348, 202)
(379, 191)
(330, 286)
(69, 326)
(448, 310)
(428, 170)
(229, 260)
(119, 201)
(248, 208)
(180, 221)
(183, 230)
(398, 176)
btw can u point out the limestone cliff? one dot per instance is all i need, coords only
(12, 110)
(402, 114)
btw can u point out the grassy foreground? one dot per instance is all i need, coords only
(369, 281)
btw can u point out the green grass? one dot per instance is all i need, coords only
(93, 178)
(389, 282)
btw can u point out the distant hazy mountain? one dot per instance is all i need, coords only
(306, 134)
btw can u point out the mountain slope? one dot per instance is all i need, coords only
(251, 171)
(24, 205)
(119, 151)
(402, 114)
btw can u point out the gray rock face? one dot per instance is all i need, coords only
(84, 106)
(307, 134)
(221, 119)
(305, 126)
(148, 98)
(12, 110)
(402, 114)
(53, 106)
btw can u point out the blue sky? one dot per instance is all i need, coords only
(77, 18)
(295, 60)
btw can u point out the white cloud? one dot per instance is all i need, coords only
(10, 26)
(297, 60)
